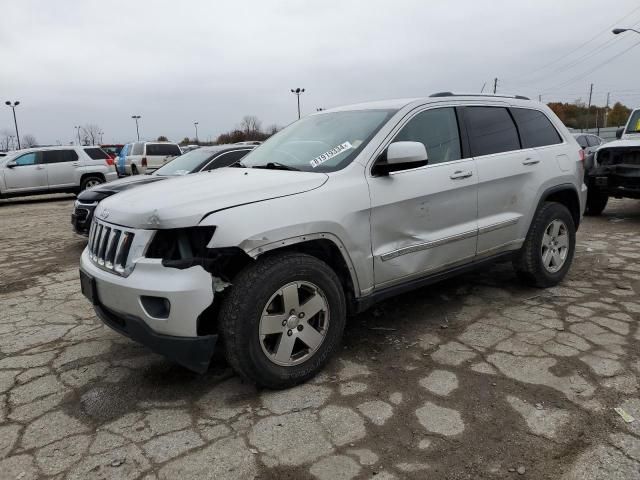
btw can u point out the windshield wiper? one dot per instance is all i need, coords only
(277, 166)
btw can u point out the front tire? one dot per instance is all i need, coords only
(547, 252)
(596, 202)
(282, 319)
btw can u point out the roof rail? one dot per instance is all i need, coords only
(451, 94)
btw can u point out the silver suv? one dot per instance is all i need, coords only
(338, 211)
(54, 169)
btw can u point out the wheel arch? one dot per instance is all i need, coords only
(92, 174)
(565, 194)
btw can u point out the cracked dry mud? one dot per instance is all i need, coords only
(520, 380)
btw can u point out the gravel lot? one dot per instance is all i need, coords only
(477, 377)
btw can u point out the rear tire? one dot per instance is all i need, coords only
(596, 202)
(90, 181)
(134, 169)
(547, 252)
(264, 312)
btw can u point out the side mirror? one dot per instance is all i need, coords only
(11, 164)
(401, 156)
(619, 133)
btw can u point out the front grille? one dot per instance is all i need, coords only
(110, 246)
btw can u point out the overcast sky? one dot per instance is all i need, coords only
(175, 62)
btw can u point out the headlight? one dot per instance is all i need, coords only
(180, 244)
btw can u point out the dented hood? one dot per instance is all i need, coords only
(184, 201)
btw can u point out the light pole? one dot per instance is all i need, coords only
(15, 122)
(297, 92)
(78, 132)
(195, 124)
(136, 118)
(617, 31)
(101, 133)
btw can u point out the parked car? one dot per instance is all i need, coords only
(121, 160)
(588, 142)
(201, 160)
(149, 156)
(113, 150)
(188, 148)
(614, 168)
(339, 210)
(54, 169)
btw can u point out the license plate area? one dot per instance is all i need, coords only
(88, 287)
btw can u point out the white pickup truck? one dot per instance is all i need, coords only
(614, 170)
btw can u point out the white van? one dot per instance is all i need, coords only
(149, 156)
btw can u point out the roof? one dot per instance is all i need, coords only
(397, 104)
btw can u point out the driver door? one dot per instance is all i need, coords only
(425, 219)
(28, 174)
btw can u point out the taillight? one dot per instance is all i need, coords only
(144, 161)
(108, 161)
(581, 155)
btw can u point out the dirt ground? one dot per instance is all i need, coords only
(476, 377)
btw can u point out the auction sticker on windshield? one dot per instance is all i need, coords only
(320, 159)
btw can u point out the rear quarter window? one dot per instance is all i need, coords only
(137, 148)
(96, 153)
(536, 130)
(163, 149)
(491, 130)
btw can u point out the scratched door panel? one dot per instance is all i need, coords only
(423, 220)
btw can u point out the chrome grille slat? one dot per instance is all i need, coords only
(110, 246)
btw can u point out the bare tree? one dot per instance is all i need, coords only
(5, 139)
(91, 133)
(272, 129)
(250, 125)
(29, 141)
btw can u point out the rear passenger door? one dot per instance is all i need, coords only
(504, 142)
(61, 166)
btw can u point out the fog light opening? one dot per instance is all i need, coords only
(157, 307)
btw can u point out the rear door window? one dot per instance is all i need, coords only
(593, 141)
(491, 130)
(137, 148)
(59, 156)
(96, 153)
(226, 159)
(437, 130)
(165, 149)
(582, 141)
(536, 130)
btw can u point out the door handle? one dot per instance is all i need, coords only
(530, 161)
(459, 175)
(75, 164)
(40, 167)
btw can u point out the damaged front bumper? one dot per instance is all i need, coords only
(156, 306)
(616, 180)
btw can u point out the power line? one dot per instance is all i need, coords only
(584, 43)
(602, 64)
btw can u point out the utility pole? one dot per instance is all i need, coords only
(539, 98)
(589, 106)
(606, 110)
(495, 85)
(297, 92)
(195, 124)
(78, 132)
(15, 122)
(136, 118)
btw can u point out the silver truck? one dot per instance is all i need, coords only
(340, 210)
(613, 170)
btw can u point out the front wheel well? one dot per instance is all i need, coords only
(567, 197)
(92, 174)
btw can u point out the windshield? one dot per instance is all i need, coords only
(320, 143)
(634, 122)
(184, 164)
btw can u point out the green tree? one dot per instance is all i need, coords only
(162, 138)
(618, 115)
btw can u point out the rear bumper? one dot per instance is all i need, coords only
(193, 353)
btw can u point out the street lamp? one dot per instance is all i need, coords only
(617, 31)
(297, 92)
(78, 132)
(15, 122)
(101, 133)
(195, 124)
(136, 118)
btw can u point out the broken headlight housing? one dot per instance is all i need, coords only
(181, 247)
